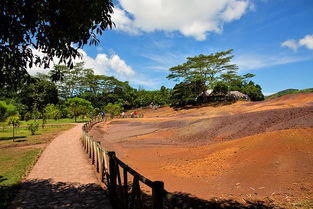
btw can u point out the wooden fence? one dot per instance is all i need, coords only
(122, 181)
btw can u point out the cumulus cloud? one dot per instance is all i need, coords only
(191, 18)
(103, 64)
(306, 41)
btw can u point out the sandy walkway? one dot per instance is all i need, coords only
(62, 178)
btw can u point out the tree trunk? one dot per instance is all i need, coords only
(13, 135)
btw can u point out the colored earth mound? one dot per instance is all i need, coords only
(247, 150)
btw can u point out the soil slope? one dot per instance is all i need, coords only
(247, 150)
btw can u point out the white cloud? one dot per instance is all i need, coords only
(306, 41)
(291, 43)
(191, 18)
(103, 64)
(253, 62)
(234, 10)
(123, 22)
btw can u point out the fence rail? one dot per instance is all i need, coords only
(122, 181)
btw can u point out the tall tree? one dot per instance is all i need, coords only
(58, 28)
(186, 93)
(71, 82)
(38, 94)
(6, 110)
(204, 67)
(78, 106)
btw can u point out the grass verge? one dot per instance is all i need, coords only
(60, 121)
(15, 163)
(23, 136)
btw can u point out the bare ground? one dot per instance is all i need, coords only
(247, 150)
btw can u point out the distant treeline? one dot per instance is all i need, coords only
(78, 91)
(66, 92)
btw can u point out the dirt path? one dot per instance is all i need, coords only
(62, 178)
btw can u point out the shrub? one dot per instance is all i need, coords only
(33, 128)
(220, 88)
(28, 116)
(113, 109)
(13, 120)
(51, 111)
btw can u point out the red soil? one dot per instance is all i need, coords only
(247, 150)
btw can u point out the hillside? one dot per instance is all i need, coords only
(247, 150)
(288, 91)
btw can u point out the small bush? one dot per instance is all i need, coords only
(113, 109)
(220, 88)
(33, 128)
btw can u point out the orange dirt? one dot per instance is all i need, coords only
(247, 150)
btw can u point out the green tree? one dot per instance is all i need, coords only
(33, 127)
(230, 76)
(78, 107)
(113, 109)
(52, 112)
(13, 121)
(39, 93)
(6, 110)
(71, 82)
(204, 67)
(57, 28)
(186, 93)
(220, 88)
(160, 97)
(254, 91)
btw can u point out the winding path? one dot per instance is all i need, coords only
(62, 178)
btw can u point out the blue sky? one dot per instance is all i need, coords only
(272, 39)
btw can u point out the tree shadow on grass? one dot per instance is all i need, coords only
(6, 193)
(4, 138)
(2, 178)
(48, 194)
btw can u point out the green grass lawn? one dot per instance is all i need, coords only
(60, 121)
(23, 136)
(15, 163)
(17, 158)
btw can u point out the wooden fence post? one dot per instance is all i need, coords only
(89, 148)
(112, 169)
(101, 165)
(157, 195)
(98, 155)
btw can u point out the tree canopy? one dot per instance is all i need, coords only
(6, 110)
(55, 28)
(214, 71)
(78, 106)
(204, 67)
(38, 94)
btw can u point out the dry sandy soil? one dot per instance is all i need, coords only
(246, 150)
